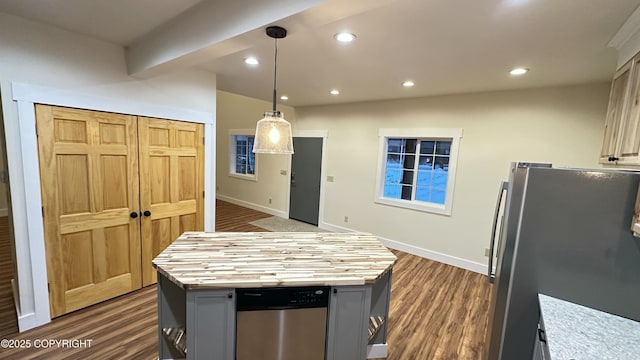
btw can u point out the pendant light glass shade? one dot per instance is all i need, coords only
(273, 135)
(273, 132)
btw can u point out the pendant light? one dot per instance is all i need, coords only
(273, 132)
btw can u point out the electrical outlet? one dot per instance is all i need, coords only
(486, 252)
(269, 200)
(346, 219)
(283, 172)
(329, 178)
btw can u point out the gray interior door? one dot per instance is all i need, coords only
(306, 164)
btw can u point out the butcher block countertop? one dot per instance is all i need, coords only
(199, 260)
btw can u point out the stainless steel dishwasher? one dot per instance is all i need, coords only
(287, 323)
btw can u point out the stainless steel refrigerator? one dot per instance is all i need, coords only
(564, 233)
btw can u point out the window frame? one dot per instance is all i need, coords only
(232, 155)
(448, 134)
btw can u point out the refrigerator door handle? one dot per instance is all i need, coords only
(490, 274)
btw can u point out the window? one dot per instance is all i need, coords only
(242, 162)
(417, 168)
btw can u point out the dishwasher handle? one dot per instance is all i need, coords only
(504, 186)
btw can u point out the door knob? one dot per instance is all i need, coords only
(133, 215)
(146, 213)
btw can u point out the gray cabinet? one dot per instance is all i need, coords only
(211, 316)
(202, 321)
(349, 309)
(541, 349)
(358, 318)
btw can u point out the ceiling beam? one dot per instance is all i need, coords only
(207, 27)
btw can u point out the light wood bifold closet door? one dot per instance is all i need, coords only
(116, 190)
(171, 185)
(89, 184)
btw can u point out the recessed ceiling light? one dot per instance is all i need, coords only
(335, 92)
(251, 61)
(344, 37)
(284, 97)
(408, 83)
(518, 71)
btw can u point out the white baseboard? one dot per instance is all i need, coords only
(264, 209)
(418, 251)
(334, 228)
(25, 321)
(436, 256)
(4, 212)
(375, 351)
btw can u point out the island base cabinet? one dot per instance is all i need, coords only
(349, 309)
(171, 316)
(211, 317)
(200, 321)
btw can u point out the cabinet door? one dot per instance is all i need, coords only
(171, 185)
(349, 309)
(616, 112)
(211, 324)
(89, 182)
(629, 136)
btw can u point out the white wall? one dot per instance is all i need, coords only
(241, 112)
(39, 54)
(562, 125)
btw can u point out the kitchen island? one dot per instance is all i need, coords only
(201, 274)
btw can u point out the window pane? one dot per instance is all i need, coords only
(425, 163)
(244, 157)
(406, 192)
(407, 177)
(424, 178)
(437, 196)
(393, 175)
(409, 161)
(401, 146)
(410, 145)
(442, 163)
(443, 147)
(422, 194)
(395, 145)
(392, 191)
(426, 147)
(394, 160)
(422, 182)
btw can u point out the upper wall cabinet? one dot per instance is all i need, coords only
(621, 145)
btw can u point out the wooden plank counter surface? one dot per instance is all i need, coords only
(260, 259)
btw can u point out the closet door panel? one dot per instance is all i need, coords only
(89, 184)
(171, 185)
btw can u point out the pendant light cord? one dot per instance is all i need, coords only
(275, 73)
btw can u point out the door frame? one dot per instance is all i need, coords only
(324, 134)
(32, 297)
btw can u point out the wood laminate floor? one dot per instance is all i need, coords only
(437, 312)
(8, 319)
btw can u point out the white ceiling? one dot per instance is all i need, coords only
(444, 46)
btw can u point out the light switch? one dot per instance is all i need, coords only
(329, 178)
(283, 172)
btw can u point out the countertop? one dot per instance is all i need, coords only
(198, 260)
(581, 333)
